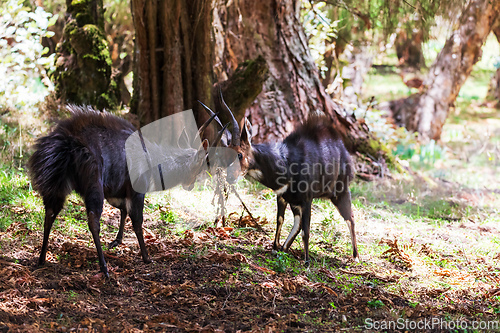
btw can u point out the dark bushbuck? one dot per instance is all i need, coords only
(86, 153)
(312, 162)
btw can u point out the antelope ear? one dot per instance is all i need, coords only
(202, 150)
(205, 145)
(246, 132)
(183, 140)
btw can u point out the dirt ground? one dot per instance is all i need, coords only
(214, 280)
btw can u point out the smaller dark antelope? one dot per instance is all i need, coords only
(86, 153)
(312, 162)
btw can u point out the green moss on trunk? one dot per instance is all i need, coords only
(241, 89)
(83, 63)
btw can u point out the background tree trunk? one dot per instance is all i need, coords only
(409, 49)
(494, 88)
(353, 74)
(173, 57)
(427, 112)
(83, 58)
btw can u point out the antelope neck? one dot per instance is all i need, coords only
(270, 160)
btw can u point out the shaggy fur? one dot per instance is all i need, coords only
(86, 153)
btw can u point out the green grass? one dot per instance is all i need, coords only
(17, 200)
(72, 220)
(385, 87)
(475, 87)
(390, 86)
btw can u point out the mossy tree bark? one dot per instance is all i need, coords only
(242, 88)
(83, 66)
(426, 112)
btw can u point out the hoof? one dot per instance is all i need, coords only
(114, 243)
(104, 270)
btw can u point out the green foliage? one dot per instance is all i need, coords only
(282, 262)
(431, 152)
(421, 154)
(8, 136)
(320, 29)
(375, 303)
(169, 216)
(72, 296)
(23, 67)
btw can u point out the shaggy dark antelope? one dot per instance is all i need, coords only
(86, 153)
(311, 162)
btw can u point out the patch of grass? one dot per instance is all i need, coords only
(17, 202)
(375, 303)
(72, 296)
(385, 87)
(169, 216)
(9, 142)
(72, 219)
(282, 262)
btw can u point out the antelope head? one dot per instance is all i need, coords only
(239, 156)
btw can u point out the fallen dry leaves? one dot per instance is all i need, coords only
(206, 281)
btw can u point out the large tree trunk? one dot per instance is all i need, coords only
(427, 112)
(173, 57)
(293, 90)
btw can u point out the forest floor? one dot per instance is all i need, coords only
(428, 239)
(414, 271)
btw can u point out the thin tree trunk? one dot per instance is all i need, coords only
(353, 75)
(494, 88)
(427, 112)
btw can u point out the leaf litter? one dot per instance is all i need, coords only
(218, 280)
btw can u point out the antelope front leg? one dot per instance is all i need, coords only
(279, 222)
(306, 224)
